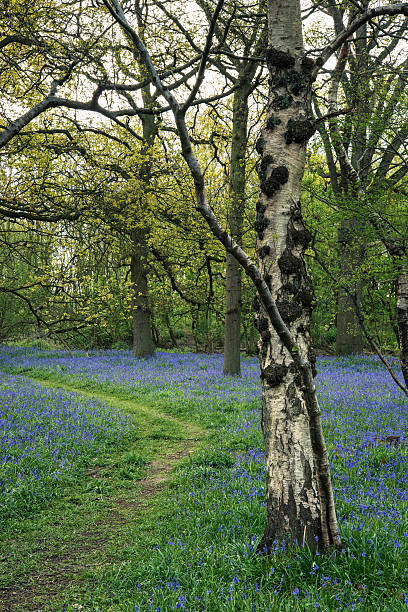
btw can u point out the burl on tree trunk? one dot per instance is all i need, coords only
(299, 495)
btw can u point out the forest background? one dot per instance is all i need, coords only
(101, 244)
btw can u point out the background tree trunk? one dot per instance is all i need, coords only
(143, 344)
(349, 336)
(232, 339)
(170, 330)
(142, 334)
(402, 319)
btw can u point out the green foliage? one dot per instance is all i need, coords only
(39, 343)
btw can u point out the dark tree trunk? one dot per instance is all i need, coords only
(249, 335)
(142, 335)
(402, 320)
(155, 335)
(194, 331)
(143, 344)
(170, 330)
(349, 335)
(232, 339)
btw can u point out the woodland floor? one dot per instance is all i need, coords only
(46, 558)
(145, 527)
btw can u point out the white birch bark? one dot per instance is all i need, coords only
(299, 497)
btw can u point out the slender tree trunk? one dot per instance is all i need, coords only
(143, 344)
(194, 324)
(155, 334)
(402, 319)
(232, 339)
(246, 338)
(170, 330)
(299, 497)
(349, 336)
(252, 341)
(142, 334)
(249, 335)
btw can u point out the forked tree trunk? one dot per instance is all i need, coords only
(142, 335)
(233, 301)
(299, 497)
(143, 344)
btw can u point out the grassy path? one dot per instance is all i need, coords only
(52, 557)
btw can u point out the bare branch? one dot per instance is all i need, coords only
(389, 9)
(204, 58)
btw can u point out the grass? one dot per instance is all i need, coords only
(193, 546)
(46, 550)
(47, 436)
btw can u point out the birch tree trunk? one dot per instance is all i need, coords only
(232, 339)
(299, 496)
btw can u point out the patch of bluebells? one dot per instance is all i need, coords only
(186, 380)
(361, 407)
(209, 561)
(46, 435)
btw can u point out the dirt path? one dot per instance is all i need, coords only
(62, 558)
